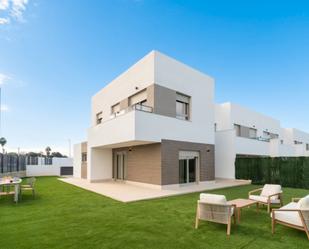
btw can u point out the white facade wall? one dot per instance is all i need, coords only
(77, 162)
(225, 154)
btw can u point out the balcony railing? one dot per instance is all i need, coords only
(137, 107)
(262, 139)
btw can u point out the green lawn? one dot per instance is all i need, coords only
(64, 216)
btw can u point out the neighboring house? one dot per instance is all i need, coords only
(157, 124)
(53, 166)
(243, 132)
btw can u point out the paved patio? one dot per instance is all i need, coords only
(127, 192)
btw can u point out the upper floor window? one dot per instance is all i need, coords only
(182, 106)
(298, 142)
(115, 108)
(84, 157)
(269, 135)
(99, 117)
(138, 98)
(281, 141)
(307, 147)
(237, 129)
(252, 133)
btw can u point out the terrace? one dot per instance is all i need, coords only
(65, 216)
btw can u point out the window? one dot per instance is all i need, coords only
(274, 136)
(138, 98)
(307, 147)
(266, 134)
(182, 106)
(99, 118)
(252, 133)
(115, 108)
(237, 130)
(281, 141)
(269, 135)
(297, 142)
(84, 157)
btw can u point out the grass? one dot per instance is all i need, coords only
(64, 216)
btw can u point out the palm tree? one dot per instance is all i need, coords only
(3, 142)
(48, 150)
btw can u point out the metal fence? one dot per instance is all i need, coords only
(12, 163)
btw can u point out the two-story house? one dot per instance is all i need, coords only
(153, 124)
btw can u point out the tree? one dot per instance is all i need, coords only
(57, 154)
(3, 142)
(48, 150)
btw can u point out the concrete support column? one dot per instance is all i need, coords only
(100, 164)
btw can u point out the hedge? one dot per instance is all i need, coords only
(286, 171)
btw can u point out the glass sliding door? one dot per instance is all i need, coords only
(192, 170)
(183, 171)
(120, 166)
(188, 167)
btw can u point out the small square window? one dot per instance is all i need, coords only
(99, 118)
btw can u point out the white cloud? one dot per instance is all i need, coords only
(4, 78)
(4, 20)
(4, 108)
(4, 4)
(12, 9)
(19, 6)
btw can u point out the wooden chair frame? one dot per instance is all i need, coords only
(268, 203)
(28, 186)
(304, 226)
(213, 211)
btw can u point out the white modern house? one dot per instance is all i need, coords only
(157, 124)
(153, 124)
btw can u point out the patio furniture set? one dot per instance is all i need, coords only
(215, 208)
(12, 186)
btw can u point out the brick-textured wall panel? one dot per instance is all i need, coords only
(143, 163)
(170, 160)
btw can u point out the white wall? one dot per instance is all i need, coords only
(77, 162)
(228, 114)
(101, 161)
(225, 154)
(43, 170)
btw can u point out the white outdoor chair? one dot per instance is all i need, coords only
(271, 194)
(214, 208)
(294, 215)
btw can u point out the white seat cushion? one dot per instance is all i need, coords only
(303, 203)
(289, 216)
(270, 189)
(213, 199)
(263, 199)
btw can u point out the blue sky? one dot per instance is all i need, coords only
(54, 55)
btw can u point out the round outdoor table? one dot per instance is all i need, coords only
(15, 183)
